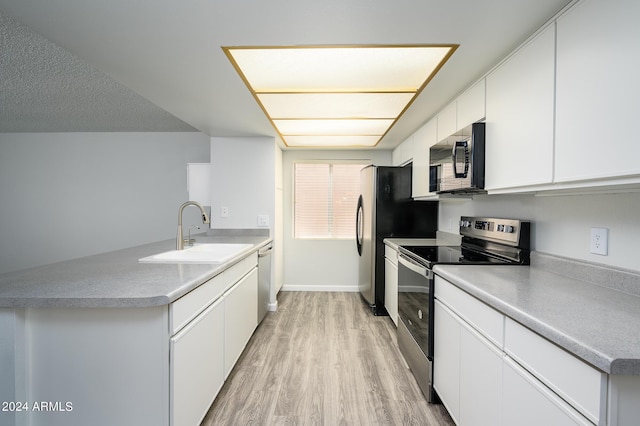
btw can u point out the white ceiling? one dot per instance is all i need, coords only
(169, 52)
(44, 88)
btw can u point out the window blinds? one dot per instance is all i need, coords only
(325, 198)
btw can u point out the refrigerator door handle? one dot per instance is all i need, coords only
(359, 225)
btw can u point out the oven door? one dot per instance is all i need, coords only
(415, 328)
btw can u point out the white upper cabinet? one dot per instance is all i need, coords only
(519, 116)
(470, 106)
(447, 121)
(467, 109)
(403, 153)
(598, 100)
(423, 139)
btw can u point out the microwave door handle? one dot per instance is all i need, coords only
(465, 146)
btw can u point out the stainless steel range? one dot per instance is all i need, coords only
(484, 241)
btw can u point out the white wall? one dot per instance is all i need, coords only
(68, 195)
(278, 260)
(320, 265)
(243, 178)
(246, 177)
(562, 224)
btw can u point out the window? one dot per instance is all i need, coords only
(325, 199)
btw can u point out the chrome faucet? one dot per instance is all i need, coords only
(205, 219)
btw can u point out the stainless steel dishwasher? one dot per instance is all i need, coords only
(264, 280)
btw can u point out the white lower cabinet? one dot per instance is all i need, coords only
(480, 377)
(240, 318)
(467, 370)
(526, 401)
(197, 366)
(490, 370)
(576, 382)
(391, 283)
(218, 327)
(446, 359)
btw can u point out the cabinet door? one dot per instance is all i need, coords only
(581, 385)
(526, 401)
(240, 318)
(446, 359)
(519, 129)
(403, 153)
(470, 105)
(391, 290)
(447, 121)
(597, 91)
(423, 140)
(197, 361)
(480, 380)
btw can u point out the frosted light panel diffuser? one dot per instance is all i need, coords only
(335, 105)
(332, 127)
(313, 94)
(352, 69)
(331, 141)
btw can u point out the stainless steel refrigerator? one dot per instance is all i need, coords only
(385, 209)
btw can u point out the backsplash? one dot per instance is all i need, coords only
(624, 280)
(561, 225)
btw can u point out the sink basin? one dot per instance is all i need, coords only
(199, 253)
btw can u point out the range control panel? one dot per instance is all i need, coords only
(506, 231)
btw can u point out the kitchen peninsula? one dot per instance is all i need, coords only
(107, 340)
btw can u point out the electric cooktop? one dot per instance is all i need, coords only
(484, 241)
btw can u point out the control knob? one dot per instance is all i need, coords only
(465, 224)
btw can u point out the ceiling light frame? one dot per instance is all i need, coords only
(305, 74)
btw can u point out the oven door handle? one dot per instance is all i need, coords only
(414, 266)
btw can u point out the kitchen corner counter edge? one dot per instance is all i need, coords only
(596, 321)
(116, 279)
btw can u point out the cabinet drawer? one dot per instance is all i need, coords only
(391, 254)
(583, 386)
(486, 320)
(527, 402)
(240, 269)
(191, 304)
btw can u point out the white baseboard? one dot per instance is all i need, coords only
(272, 307)
(339, 288)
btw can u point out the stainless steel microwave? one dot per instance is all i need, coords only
(456, 164)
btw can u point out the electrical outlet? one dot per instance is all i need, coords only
(599, 241)
(224, 211)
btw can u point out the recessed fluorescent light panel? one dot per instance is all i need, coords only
(336, 96)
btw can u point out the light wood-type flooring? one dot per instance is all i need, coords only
(323, 359)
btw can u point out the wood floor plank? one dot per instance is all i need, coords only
(323, 359)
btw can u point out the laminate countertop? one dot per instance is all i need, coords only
(115, 279)
(593, 313)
